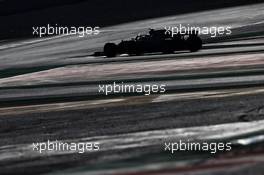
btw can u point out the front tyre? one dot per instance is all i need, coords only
(110, 49)
(194, 43)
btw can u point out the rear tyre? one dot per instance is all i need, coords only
(168, 47)
(110, 49)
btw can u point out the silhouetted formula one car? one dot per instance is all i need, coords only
(156, 41)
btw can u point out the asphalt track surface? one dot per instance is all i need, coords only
(49, 91)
